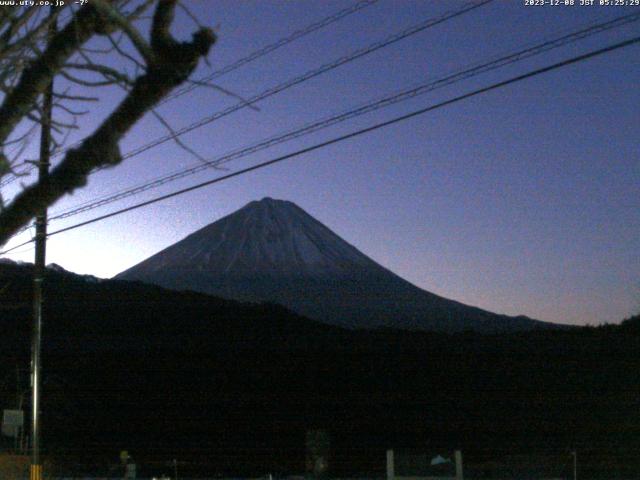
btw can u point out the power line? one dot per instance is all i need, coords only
(385, 101)
(31, 248)
(352, 113)
(316, 72)
(16, 176)
(296, 35)
(424, 25)
(272, 47)
(390, 40)
(356, 133)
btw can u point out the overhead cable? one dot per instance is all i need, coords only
(296, 35)
(271, 47)
(356, 133)
(424, 25)
(327, 67)
(352, 113)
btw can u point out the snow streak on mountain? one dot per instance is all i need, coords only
(270, 237)
(272, 250)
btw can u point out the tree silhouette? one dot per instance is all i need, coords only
(31, 56)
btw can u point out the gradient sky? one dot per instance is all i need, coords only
(524, 200)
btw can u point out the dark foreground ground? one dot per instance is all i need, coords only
(232, 389)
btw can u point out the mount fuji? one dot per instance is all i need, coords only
(273, 251)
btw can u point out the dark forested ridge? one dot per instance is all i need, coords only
(232, 388)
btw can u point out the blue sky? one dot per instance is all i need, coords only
(523, 200)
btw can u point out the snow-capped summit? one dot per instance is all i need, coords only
(266, 237)
(272, 250)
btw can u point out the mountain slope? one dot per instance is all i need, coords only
(272, 250)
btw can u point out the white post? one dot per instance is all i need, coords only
(458, 456)
(390, 467)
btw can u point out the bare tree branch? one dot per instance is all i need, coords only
(172, 63)
(123, 23)
(116, 46)
(36, 77)
(176, 139)
(78, 98)
(108, 73)
(227, 92)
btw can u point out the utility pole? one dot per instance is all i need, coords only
(38, 276)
